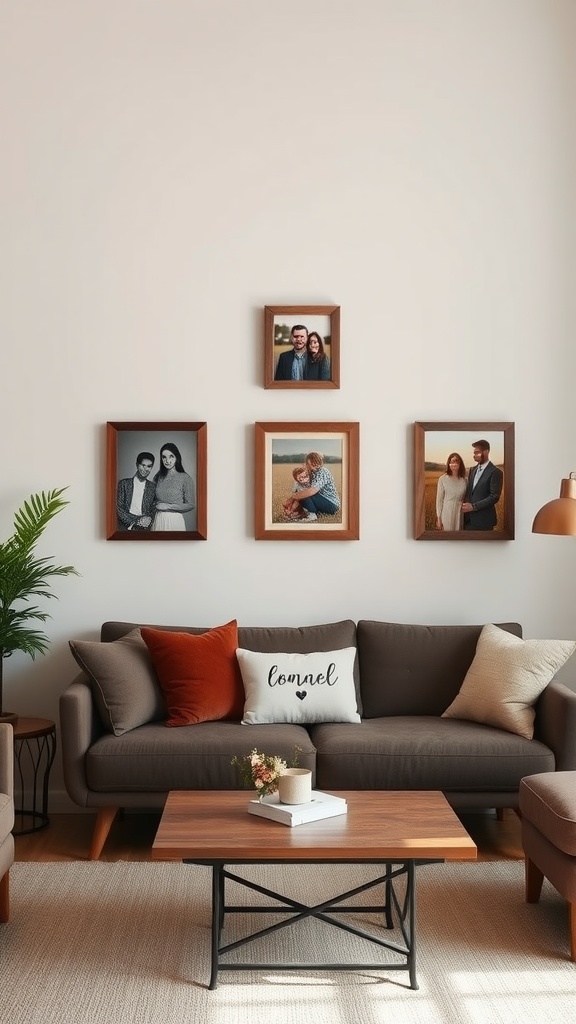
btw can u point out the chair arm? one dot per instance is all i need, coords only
(80, 726)
(556, 724)
(6, 759)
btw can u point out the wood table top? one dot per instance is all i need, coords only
(208, 825)
(28, 728)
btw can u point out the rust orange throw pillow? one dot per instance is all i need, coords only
(198, 673)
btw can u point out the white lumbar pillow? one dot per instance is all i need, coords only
(506, 678)
(298, 688)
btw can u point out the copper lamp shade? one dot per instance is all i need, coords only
(559, 516)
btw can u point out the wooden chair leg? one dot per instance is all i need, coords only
(5, 897)
(534, 878)
(572, 913)
(499, 814)
(104, 822)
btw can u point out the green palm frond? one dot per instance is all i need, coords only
(24, 576)
(33, 516)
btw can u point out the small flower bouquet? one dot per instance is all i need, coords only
(262, 771)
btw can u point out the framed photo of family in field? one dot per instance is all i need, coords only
(156, 481)
(302, 347)
(307, 481)
(464, 481)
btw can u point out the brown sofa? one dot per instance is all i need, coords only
(406, 676)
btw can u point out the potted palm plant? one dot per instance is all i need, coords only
(23, 577)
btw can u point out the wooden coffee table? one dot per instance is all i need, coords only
(394, 830)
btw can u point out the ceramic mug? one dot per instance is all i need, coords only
(295, 786)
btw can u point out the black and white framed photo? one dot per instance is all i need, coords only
(302, 347)
(156, 481)
(464, 481)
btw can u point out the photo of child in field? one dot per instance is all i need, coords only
(306, 481)
(291, 505)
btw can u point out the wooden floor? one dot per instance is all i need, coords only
(68, 836)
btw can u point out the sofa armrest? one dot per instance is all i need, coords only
(80, 726)
(556, 724)
(6, 759)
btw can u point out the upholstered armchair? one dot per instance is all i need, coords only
(6, 815)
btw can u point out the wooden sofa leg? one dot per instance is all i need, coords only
(572, 913)
(104, 822)
(499, 814)
(534, 879)
(5, 897)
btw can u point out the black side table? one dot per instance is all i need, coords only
(34, 752)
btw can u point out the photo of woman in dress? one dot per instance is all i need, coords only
(450, 492)
(175, 491)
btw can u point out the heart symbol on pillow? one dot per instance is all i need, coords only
(300, 694)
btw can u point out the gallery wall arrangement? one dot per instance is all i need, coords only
(307, 476)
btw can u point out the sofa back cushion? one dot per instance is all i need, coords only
(414, 670)
(330, 636)
(114, 630)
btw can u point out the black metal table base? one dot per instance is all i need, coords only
(393, 909)
(33, 759)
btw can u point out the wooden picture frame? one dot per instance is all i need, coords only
(284, 328)
(126, 443)
(438, 496)
(283, 447)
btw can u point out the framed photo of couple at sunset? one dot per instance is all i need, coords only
(155, 481)
(307, 481)
(464, 481)
(302, 347)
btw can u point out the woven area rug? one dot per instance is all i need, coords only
(95, 943)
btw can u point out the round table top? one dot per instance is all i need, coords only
(27, 728)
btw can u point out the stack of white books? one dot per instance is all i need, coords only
(322, 805)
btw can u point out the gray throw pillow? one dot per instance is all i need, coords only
(123, 681)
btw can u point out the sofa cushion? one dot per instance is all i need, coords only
(153, 759)
(123, 681)
(199, 675)
(414, 670)
(300, 688)
(421, 752)
(506, 678)
(329, 636)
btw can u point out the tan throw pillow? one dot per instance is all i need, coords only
(506, 678)
(123, 681)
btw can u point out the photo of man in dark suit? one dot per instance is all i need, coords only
(484, 487)
(292, 365)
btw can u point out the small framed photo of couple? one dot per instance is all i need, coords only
(155, 481)
(307, 481)
(302, 347)
(464, 481)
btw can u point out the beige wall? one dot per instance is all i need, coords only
(168, 168)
